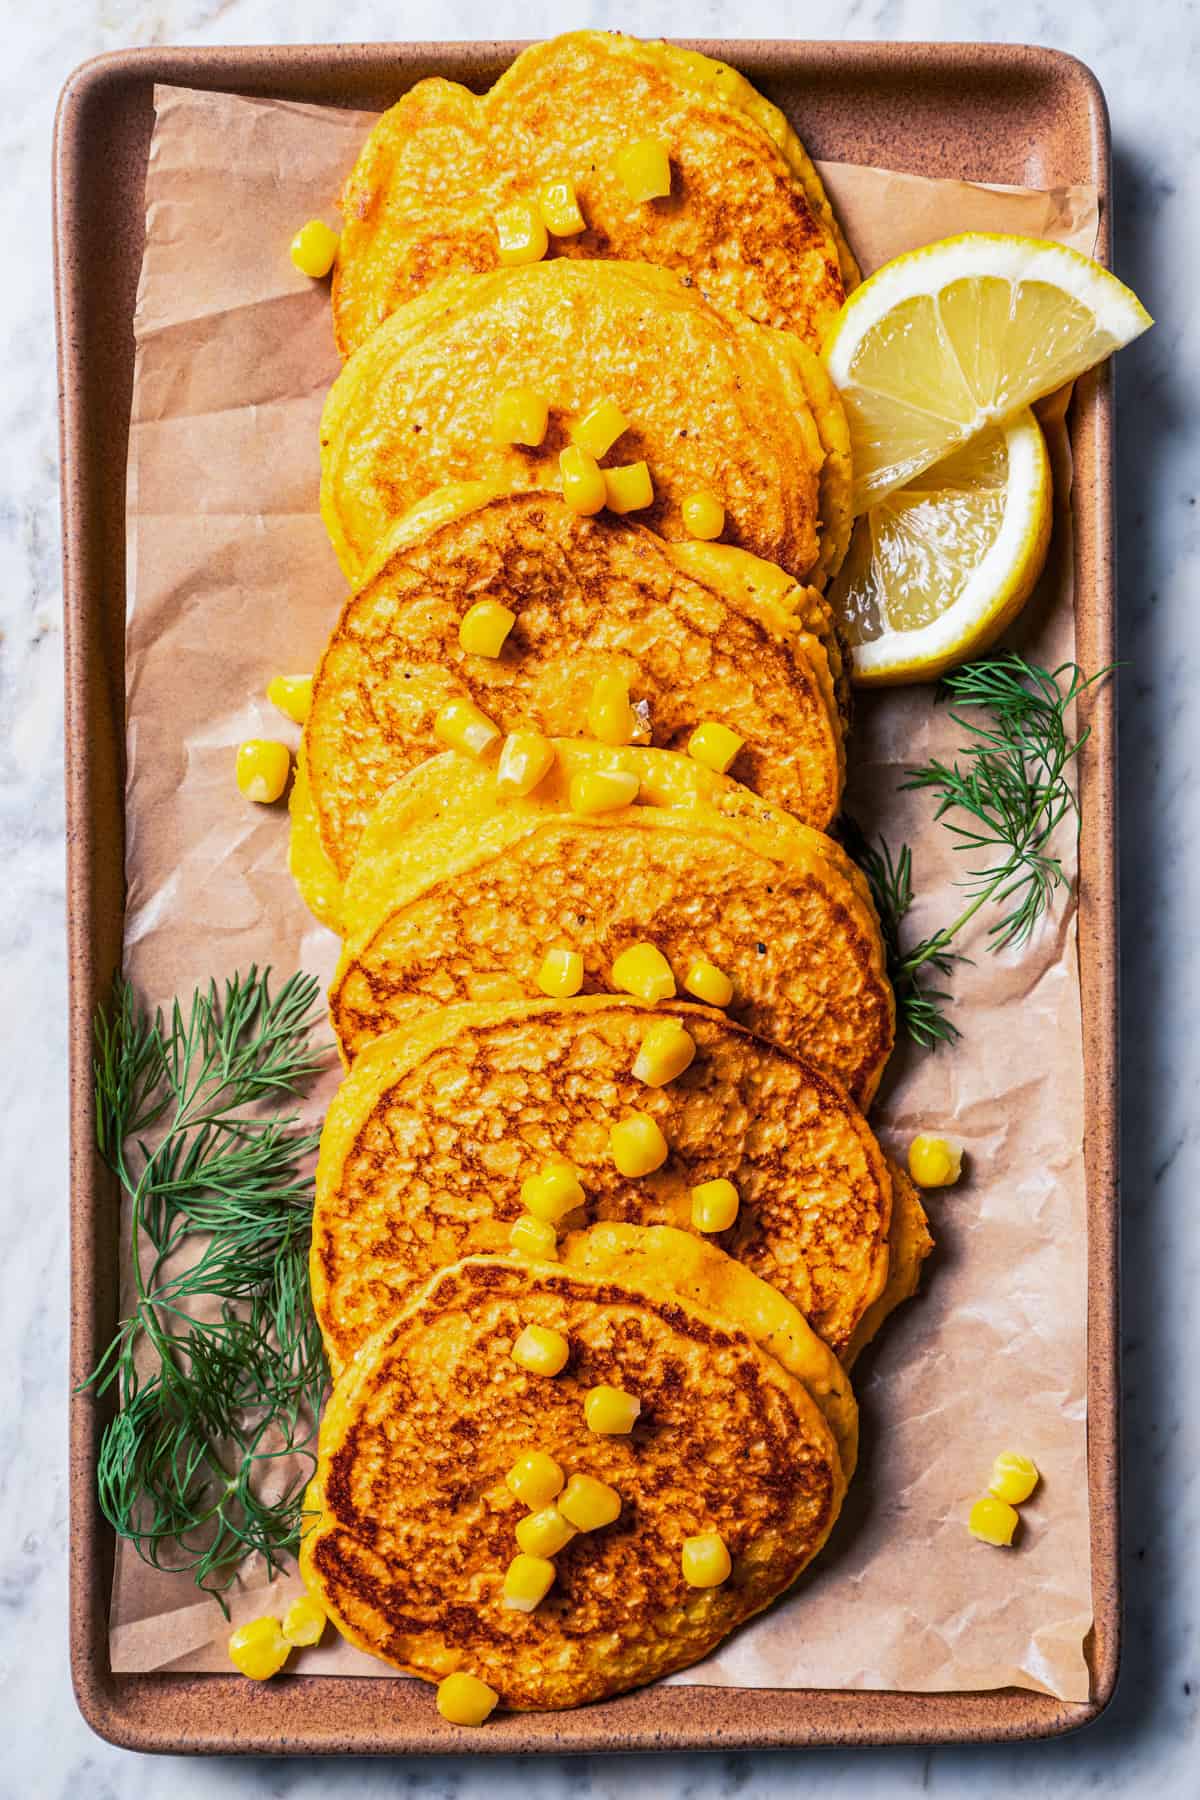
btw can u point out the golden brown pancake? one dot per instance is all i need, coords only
(747, 219)
(415, 1523)
(429, 1138)
(909, 1243)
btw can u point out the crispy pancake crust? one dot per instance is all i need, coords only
(429, 1138)
(909, 1243)
(415, 1524)
(747, 219)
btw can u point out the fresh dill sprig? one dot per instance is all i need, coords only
(218, 1369)
(919, 1006)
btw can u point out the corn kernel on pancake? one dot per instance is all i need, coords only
(428, 1141)
(415, 1523)
(713, 403)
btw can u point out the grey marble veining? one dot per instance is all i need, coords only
(1148, 1743)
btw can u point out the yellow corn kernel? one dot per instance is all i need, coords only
(292, 695)
(583, 486)
(587, 1504)
(666, 1051)
(484, 627)
(993, 1521)
(637, 1145)
(644, 170)
(259, 1649)
(263, 767)
(520, 416)
(553, 1192)
(708, 983)
(544, 1533)
(599, 428)
(934, 1162)
(714, 745)
(521, 234)
(609, 715)
(558, 204)
(704, 1560)
(1013, 1477)
(314, 248)
(541, 1350)
(610, 1411)
(527, 1581)
(465, 1700)
(461, 726)
(703, 515)
(602, 790)
(714, 1205)
(644, 972)
(525, 760)
(534, 1237)
(304, 1621)
(561, 973)
(629, 488)
(535, 1479)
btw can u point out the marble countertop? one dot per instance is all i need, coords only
(1149, 1740)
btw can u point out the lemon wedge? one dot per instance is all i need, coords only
(963, 334)
(938, 569)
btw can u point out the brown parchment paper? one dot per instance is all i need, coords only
(231, 580)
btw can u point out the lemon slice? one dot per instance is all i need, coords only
(963, 334)
(937, 570)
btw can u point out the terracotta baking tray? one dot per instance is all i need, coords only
(984, 112)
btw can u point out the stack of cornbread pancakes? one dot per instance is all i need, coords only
(600, 1222)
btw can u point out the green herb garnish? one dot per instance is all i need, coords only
(218, 1369)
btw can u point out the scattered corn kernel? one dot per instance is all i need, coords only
(292, 694)
(602, 790)
(527, 1581)
(541, 1350)
(465, 1700)
(535, 1479)
(588, 1504)
(703, 515)
(599, 428)
(714, 745)
(521, 233)
(263, 767)
(934, 1162)
(609, 715)
(304, 1621)
(525, 760)
(553, 1192)
(993, 1521)
(583, 486)
(629, 488)
(520, 416)
(558, 204)
(484, 627)
(461, 726)
(704, 1560)
(544, 1533)
(534, 1237)
(714, 1205)
(644, 972)
(666, 1051)
(610, 1411)
(561, 973)
(708, 983)
(258, 1649)
(637, 1145)
(314, 248)
(1013, 1477)
(644, 170)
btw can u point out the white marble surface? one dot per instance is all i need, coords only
(1148, 1743)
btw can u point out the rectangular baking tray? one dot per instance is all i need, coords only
(981, 112)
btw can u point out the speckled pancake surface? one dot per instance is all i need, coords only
(415, 1524)
(747, 218)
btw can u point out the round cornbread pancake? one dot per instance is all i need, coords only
(714, 634)
(746, 219)
(415, 1523)
(429, 1138)
(713, 404)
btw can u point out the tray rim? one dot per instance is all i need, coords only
(137, 1711)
